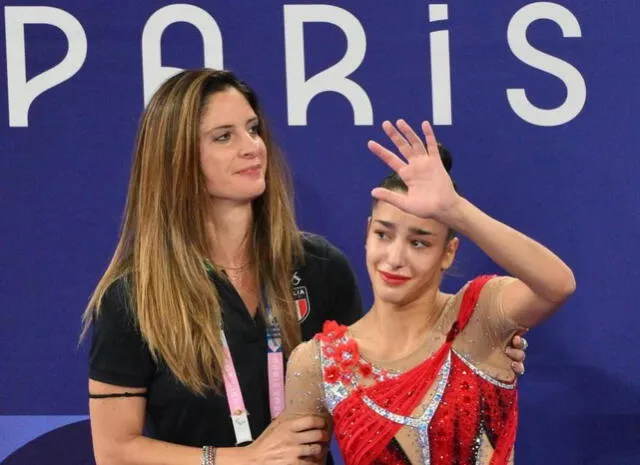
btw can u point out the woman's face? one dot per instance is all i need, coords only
(406, 255)
(233, 155)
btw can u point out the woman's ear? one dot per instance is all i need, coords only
(450, 250)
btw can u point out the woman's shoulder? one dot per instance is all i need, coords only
(305, 350)
(119, 353)
(304, 360)
(318, 246)
(119, 288)
(116, 303)
(480, 287)
(320, 252)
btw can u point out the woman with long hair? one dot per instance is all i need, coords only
(204, 266)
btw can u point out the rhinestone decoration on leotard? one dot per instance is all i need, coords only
(469, 417)
(421, 423)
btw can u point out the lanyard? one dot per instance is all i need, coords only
(275, 365)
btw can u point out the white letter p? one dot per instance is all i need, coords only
(22, 93)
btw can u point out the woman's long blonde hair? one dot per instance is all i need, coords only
(163, 244)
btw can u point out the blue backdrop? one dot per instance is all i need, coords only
(537, 102)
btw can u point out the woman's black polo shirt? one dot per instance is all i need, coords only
(324, 288)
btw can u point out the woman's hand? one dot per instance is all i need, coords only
(302, 440)
(431, 193)
(516, 351)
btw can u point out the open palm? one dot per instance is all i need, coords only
(431, 191)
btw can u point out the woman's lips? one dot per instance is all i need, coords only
(252, 171)
(393, 279)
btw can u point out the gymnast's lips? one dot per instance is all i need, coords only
(393, 279)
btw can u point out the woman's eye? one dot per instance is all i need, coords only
(223, 137)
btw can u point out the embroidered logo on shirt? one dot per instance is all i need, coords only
(300, 297)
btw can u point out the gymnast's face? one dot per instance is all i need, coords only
(233, 156)
(406, 255)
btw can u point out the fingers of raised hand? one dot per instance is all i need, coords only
(430, 139)
(411, 136)
(393, 198)
(387, 156)
(401, 143)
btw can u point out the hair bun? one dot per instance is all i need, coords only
(445, 156)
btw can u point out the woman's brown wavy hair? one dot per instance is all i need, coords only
(163, 244)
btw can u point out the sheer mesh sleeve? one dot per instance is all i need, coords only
(489, 309)
(304, 390)
(489, 332)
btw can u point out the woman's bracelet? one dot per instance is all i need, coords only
(208, 455)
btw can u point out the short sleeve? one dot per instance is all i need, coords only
(118, 352)
(346, 305)
(304, 391)
(488, 322)
(489, 308)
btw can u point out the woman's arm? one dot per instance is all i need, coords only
(117, 424)
(543, 281)
(116, 430)
(304, 391)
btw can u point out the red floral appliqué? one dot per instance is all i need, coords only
(331, 374)
(347, 377)
(333, 330)
(328, 350)
(347, 354)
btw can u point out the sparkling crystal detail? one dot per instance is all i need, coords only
(477, 371)
(422, 422)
